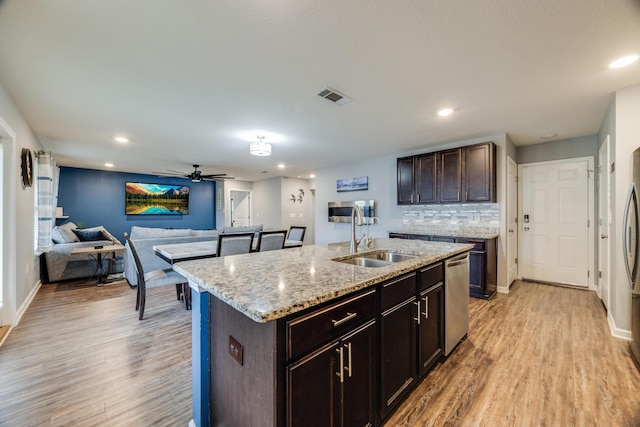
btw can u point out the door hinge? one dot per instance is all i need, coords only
(588, 223)
(599, 274)
(516, 260)
(516, 178)
(588, 273)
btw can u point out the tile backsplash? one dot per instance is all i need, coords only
(480, 214)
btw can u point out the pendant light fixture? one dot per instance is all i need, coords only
(260, 148)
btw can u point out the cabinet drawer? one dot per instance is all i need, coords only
(309, 331)
(431, 275)
(478, 245)
(397, 290)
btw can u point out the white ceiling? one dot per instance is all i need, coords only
(186, 80)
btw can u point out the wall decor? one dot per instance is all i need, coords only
(299, 198)
(353, 184)
(156, 199)
(26, 167)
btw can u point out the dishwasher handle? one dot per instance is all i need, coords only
(457, 261)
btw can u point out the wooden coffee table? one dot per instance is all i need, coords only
(98, 251)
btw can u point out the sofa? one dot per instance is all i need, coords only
(60, 265)
(145, 238)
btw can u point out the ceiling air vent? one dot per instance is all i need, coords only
(335, 96)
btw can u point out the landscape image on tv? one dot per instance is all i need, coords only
(156, 199)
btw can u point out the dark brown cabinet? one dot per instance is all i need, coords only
(450, 176)
(398, 353)
(417, 178)
(480, 173)
(431, 323)
(459, 175)
(334, 386)
(483, 261)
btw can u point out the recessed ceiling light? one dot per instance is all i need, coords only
(109, 165)
(445, 112)
(623, 62)
(548, 135)
(121, 139)
(313, 175)
(281, 165)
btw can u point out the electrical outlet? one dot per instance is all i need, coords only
(236, 350)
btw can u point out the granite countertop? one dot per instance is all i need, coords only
(266, 286)
(451, 230)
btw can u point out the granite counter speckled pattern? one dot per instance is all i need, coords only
(453, 231)
(266, 286)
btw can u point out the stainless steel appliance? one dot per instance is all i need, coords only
(341, 211)
(631, 242)
(456, 300)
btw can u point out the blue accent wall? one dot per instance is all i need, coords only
(94, 197)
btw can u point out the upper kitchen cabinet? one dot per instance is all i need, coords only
(480, 172)
(417, 177)
(459, 175)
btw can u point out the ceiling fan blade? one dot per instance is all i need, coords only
(178, 172)
(217, 178)
(213, 175)
(167, 174)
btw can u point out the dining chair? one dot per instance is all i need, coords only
(234, 243)
(155, 279)
(295, 236)
(271, 240)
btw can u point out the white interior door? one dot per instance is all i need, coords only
(512, 220)
(240, 209)
(3, 289)
(604, 222)
(555, 222)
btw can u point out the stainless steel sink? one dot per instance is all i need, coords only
(364, 262)
(376, 259)
(389, 256)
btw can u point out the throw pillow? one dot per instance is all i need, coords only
(106, 234)
(66, 230)
(56, 235)
(89, 235)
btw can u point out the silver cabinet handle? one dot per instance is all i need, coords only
(345, 319)
(340, 373)
(348, 368)
(426, 307)
(412, 198)
(417, 319)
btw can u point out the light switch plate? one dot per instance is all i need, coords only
(236, 350)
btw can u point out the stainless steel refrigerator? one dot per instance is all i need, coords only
(631, 241)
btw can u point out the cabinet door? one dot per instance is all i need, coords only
(425, 174)
(313, 389)
(477, 271)
(397, 353)
(479, 174)
(431, 328)
(450, 176)
(405, 181)
(359, 385)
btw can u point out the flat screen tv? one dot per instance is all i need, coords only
(156, 199)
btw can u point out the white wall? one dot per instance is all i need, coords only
(223, 215)
(297, 213)
(267, 207)
(382, 175)
(22, 273)
(625, 138)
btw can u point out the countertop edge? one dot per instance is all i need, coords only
(264, 317)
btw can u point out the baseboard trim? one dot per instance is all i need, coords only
(625, 334)
(503, 289)
(192, 423)
(27, 302)
(4, 333)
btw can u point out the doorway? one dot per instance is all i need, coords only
(556, 213)
(8, 179)
(512, 221)
(604, 222)
(239, 208)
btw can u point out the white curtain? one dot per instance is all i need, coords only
(47, 189)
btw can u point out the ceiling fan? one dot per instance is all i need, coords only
(196, 175)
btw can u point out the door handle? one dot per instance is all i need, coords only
(511, 230)
(526, 229)
(604, 236)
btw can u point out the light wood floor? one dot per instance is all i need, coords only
(80, 357)
(540, 356)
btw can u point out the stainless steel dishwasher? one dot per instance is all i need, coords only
(456, 298)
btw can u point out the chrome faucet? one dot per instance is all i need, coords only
(356, 214)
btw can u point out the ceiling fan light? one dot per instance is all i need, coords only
(260, 148)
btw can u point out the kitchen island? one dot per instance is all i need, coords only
(260, 322)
